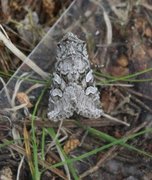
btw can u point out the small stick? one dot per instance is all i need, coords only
(44, 164)
(139, 94)
(4, 38)
(112, 152)
(115, 119)
(142, 104)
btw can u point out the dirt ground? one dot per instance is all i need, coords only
(120, 53)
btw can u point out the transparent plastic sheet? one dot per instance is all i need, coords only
(83, 18)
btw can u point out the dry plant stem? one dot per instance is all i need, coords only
(139, 94)
(108, 24)
(112, 152)
(65, 165)
(145, 5)
(142, 104)
(115, 119)
(44, 164)
(6, 90)
(60, 152)
(117, 84)
(109, 155)
(35, 86)
(109, 34)
(21, 56)
(16, 88)
(58, 132)
(109, 28)
(19, 168)
(14, 109)
(102, 122)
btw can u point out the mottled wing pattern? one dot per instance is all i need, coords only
(73, 89)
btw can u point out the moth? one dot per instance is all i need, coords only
(73, 89)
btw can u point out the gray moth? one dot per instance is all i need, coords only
(73, 88)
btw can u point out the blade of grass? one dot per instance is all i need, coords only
(28, 149)
(43, 144)
(129, 80)
(34, 142)
(21, 78)
(7, 143)
(109, 138)
(4, 38)
(115, 142)
(125, 78)
(70, 166)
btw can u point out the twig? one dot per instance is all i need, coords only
(115, 119)
(139, 94)
(63, 159)
(44, 164)
(19, 168)
(35, 86)
(6, 90)
(112, 152)
(142, 104)
(68, 123)
(109, 27)
(116, 84)
(145, 5)
(20, 55)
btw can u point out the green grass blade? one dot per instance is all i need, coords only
(70, 166)
(43, 144)
(128, 78)
(115, 142)
(34, 142)
(3, 74)
(109, 138)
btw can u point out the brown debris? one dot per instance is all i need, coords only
(118, 71)
(6, 173)
(109, 100)
(129, 51)
(70, 145)
(49, 6)
(122, 61)
(24, 99)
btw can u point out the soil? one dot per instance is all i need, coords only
(127, 52)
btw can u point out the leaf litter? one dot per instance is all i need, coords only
(119, 39)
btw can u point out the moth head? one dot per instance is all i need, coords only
(71, 45)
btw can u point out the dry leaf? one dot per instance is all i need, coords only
(109, 100)
(6, 173)
(28, 149)
(70, 145)
(49, 6)
(148, 32)
(50, 160)
(122, 61)
(118, 71)
(24, 99)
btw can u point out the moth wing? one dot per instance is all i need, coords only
(59, 107)
(88, 104)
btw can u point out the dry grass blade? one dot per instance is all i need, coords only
(70, 145)
(115, 119)
(20, 55)
(44, 164)
(24, 99)
(109, 27)
(28, 150)
(19, 168)
(138, 94)
(6, 90)
(111, 153)
(69, 123)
